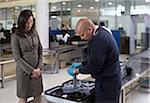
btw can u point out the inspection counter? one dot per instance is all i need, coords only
(140, 67)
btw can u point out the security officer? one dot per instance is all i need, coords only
(102, 61)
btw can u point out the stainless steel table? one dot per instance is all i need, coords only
(140, 66)
(56, 51)
(2, 63)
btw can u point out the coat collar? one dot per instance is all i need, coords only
(97, 33)
(95, 30)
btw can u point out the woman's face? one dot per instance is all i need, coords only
(29, 24)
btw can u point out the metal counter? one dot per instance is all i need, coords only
(3, 77)
(140, 66)
(56, 51)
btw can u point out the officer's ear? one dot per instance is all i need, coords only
(90, 29)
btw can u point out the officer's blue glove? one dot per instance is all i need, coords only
(75, 65)
(71, 70)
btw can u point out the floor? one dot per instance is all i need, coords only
(139, 96)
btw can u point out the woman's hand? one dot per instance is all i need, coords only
(36, 73)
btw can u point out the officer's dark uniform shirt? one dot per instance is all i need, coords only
(102, 56)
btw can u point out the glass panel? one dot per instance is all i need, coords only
(3, 17)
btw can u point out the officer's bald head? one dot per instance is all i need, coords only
(84, 28)
(83, 24)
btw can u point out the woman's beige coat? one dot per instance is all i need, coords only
(28, 55)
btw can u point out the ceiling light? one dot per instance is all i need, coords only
(16, 7)
(16, 10)
(96, 0)
(147, 0)
(91, 7)
(119, 6)
(78, 10)
(68, 9)
(109, 3)
(54, 7)
(137, 74)
(63, 3)
(54, 16)
(79, 5)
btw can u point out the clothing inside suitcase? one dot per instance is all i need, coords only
(84, 91)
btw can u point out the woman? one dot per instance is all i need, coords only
(27, 51)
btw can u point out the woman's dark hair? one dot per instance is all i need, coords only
(23, 17)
